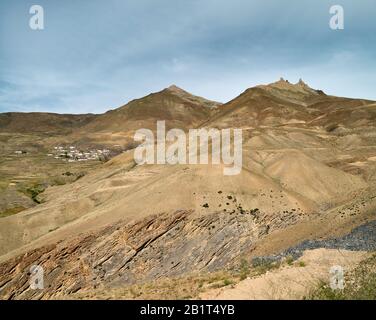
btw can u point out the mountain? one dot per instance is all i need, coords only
(37, 134)
(177, 107)
(308, 173)
(39, 122)
(284, 103)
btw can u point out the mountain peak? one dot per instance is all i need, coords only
(301, 83)
(175, 90)
(285, 85)
(282, 80)
(297, 92)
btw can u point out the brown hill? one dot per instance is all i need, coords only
(284, 103)
(39, 122)
(305, 164)
(177, 107)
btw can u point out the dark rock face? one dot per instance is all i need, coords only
(362, 238)
(126, 253)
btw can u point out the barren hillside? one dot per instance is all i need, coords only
(309, 172)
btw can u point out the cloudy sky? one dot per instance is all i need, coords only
(95, 55)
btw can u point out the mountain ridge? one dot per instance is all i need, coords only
(308, 158)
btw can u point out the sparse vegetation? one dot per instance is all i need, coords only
(244, 269)
(80, 175)
(58, 182)
(34, 191)
(302, 264)
(182, 288)
(11, 211)
(289, 260)
(360, 284)
(227, 282)
(290, 178)
(266, 266)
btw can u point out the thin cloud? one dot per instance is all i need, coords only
(96, 55)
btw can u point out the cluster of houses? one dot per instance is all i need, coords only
(72, 154)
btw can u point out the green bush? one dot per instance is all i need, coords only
(289, 260)
(34, 191)
(227, 282)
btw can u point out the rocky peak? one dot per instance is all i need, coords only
(301, 83)
(175, 90)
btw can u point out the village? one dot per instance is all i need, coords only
(72, 154)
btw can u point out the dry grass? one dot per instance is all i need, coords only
(168, 288)
(11, 211)
(360, 284)
(180, 288)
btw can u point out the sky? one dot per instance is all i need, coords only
(94, 55)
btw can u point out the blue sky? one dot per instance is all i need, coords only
(97, 55)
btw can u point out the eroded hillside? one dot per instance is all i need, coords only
(309, 165)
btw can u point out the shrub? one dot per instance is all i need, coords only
(244, 269)
(289, 260)
(360, 284)
(302, 264)
(227, 282)
(34, 191)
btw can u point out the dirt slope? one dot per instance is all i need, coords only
(308, 171)
(290, 282)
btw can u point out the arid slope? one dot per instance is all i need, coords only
(309, 171)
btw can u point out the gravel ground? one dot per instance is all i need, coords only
(362, 238)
